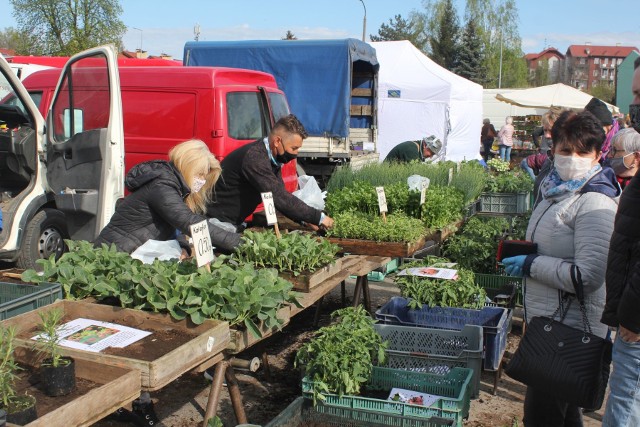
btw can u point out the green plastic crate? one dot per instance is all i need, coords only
(505, 203)
(16, 299)
(496, 285)
(434, 351)
(454, 388)
(302, 412)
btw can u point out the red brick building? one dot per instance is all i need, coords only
(552, 58)
(587, 66)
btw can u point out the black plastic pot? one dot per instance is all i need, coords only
(3, 418)
(60, 380)
(26, 414)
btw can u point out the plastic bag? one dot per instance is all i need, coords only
(309, 192)
(164, 250)
(415, 182)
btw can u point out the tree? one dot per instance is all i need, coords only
(604, 91)
(444, 45)
(471, 57)
(289, 36)
(497, 25)
(68, 27)
(540, 77)
(11, 38)
(403, 29)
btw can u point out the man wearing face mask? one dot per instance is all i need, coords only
(255, 168)
(624, 156)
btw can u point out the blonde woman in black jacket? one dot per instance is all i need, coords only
(167, 197)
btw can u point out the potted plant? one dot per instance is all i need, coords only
(20, 409)
(57, 372)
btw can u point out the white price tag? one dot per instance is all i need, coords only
(269, 208)
(424, 185)
(202, 243)
(382, 200)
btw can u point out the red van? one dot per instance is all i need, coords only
(163, 106)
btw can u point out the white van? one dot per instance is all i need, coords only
(59, 179)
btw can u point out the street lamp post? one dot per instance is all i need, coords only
(500, 71)
(134, 28)
(364, 21)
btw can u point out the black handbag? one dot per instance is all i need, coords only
(565, 362)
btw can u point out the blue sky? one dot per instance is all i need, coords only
(161, 28)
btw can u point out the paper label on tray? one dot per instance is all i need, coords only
(412, 397)
(94, 335)
(432, 272)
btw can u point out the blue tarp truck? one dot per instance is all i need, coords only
(330, 85)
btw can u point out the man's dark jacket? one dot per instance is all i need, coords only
(404, 152)
(623, 264)
(246, 172)
(155, 209)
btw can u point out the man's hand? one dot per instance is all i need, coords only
(627, 335)
(327, 222)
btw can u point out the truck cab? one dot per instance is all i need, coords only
(61, 176)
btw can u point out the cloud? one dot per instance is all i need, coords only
(171, 40)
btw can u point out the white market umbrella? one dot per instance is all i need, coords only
(558, 95)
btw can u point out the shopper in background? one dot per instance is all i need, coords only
(604, 116)
(505, 139)
(487, 136)
(624, 156)
(571, 227)
(426, 149)
(548, 119)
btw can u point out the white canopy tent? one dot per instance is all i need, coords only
(559, 95)
(418, 98)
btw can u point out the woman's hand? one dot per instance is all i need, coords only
(513, 265)
(627, 335)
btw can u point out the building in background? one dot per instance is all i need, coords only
(545, 67)
(587, 66)
(624, 76)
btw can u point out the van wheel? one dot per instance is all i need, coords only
(44, 237)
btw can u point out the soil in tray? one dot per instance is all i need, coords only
(150, 348)
(29, 381)
(12, 272)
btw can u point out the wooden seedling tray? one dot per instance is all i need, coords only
(370, 247)
(241, 339)
(209, 338)
(114, 387)
(305, 282)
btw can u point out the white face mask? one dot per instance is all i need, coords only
(572, 167)
(197, 185)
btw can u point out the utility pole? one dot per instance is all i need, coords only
(196, 32)
(134, 28)
(364, 21)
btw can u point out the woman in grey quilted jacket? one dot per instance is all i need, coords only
(572, 226)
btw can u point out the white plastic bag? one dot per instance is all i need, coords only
(415, 182)
(164, 250)
(309, 192)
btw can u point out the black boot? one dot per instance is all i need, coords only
(143, 411)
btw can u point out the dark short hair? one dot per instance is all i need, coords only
(582, 130)
(291, 124)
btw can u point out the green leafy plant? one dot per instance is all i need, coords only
(339, 359)
(238, 294)
(475, 247)
(461, 292)
(8, 366)
(398, 228)
(48, 342)
(498, 165)
(294, 252)
(516, 181)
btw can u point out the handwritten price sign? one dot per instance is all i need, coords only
(269, 208)
(202, 243)
(382, 200)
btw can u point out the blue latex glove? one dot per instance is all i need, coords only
(513, 265)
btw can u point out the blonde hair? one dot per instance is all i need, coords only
(193, 158)
(550, 117)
